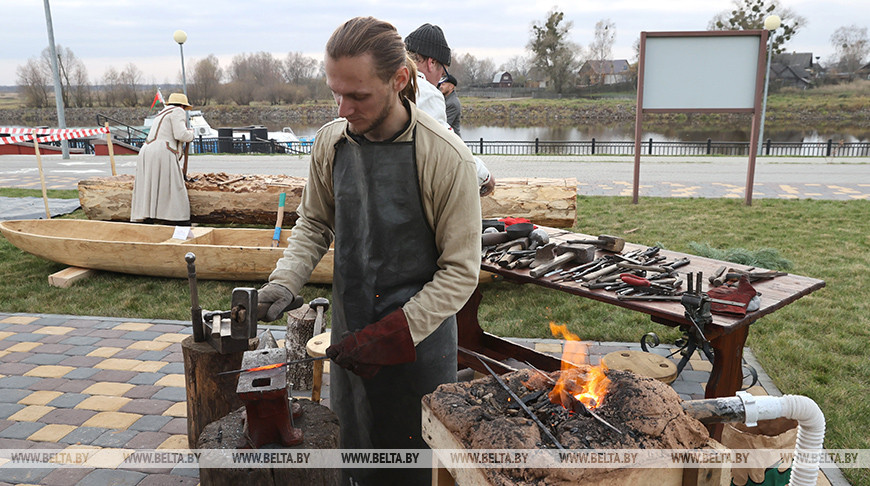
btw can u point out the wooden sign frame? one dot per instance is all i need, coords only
(718, 71)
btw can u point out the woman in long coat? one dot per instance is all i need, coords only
(159, 193)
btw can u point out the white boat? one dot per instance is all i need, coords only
(201, 128)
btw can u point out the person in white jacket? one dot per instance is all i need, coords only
(429, 50)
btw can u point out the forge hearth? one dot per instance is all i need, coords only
(481, 415)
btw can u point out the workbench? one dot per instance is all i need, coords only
(727, 334)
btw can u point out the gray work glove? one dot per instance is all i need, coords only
(273, 300)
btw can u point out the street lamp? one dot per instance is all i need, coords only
(771, 23)
(180, 36)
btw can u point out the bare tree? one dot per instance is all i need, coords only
(111, 87)
(33, 84)
(128, 84)
(471, 71)
(554, 55)
(518, 66)
(601, 47)
(299, 68)
(75, 89)
(852, 47)
(206, 81)
(259, 73)
(750, 14)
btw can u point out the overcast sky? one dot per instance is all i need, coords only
(107, 33)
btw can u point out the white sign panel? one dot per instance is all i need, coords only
(700, 72)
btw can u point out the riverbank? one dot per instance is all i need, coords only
(822, 108)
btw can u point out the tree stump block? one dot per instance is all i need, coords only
(300, 328)
(321, 431)
(209, 396)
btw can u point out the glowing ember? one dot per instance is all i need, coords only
(590, 391)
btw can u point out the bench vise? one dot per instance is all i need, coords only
(227, 331)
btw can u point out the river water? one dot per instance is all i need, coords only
(626, 133)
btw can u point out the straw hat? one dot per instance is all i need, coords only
(178, 99)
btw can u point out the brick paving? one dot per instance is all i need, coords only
(69, 383)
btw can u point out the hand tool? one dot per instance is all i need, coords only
(512, 232)
(320, 305)
(195, 309)
(717, 278)
(509, 256)
(605, 242)
(276, 237)
(566, 253)
(523, 406)
(538, 237)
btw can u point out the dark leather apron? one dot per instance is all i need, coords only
(384, 253)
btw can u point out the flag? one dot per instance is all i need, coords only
(157, 97)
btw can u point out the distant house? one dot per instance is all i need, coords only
(792, 70)
(604, 72)
(502, 79)
(536, 79)
(864, 71)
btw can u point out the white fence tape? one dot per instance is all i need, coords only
(50, 134)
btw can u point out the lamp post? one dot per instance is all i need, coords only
(771, 23)
(58, 94)
(180, 36)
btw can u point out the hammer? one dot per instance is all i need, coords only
(319, 304)
(605, 242)
(566, 253)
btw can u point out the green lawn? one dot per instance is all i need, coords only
(817, 346)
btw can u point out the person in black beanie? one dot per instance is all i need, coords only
(428, 47)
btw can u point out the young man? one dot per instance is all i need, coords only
(429, 50)
(398, 193)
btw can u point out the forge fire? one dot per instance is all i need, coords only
(644, 414)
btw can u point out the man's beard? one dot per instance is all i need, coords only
(377, 122)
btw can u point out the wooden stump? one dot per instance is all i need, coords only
(300, 328)
(209, 397)
(321, 431)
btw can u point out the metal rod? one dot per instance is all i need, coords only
(523, 406)
(271, 367)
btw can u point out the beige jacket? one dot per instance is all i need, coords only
(448, 186)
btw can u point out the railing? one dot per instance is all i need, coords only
(651, 147)
(240, 145)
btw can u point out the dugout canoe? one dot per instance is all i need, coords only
(140, 249)
(220, 198)
(151, 250)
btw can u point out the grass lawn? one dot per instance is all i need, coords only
(817, 346)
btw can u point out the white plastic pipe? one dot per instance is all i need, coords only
(811, 429)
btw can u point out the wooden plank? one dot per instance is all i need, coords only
(69, 275)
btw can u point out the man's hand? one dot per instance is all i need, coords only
(273, 300)
(386, 342)
(487, 187)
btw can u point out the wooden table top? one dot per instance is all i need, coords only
(775, 293)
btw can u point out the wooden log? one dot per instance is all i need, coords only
(321, 431)
(300, 328)
(209, 396)
(213, 199)
(69, 275)
(547, 202)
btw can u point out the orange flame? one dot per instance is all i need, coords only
(590, 392)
